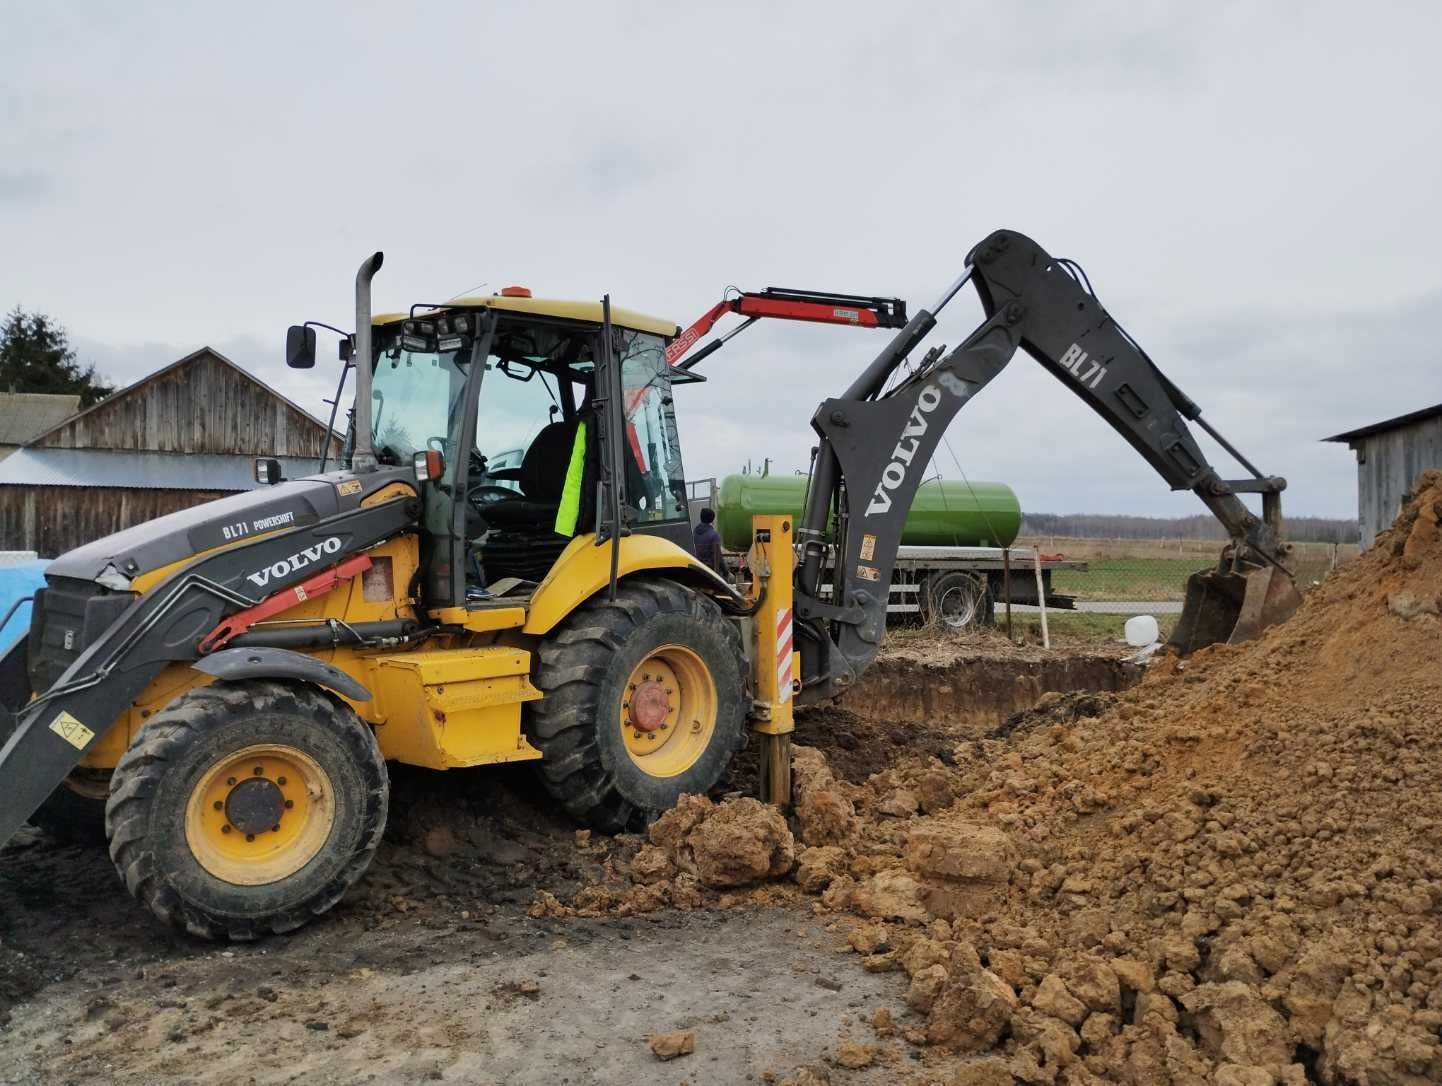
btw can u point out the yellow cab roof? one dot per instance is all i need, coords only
(548, 307)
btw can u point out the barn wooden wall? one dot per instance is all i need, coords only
(1387, 465)
(51, 520)
(204, 407)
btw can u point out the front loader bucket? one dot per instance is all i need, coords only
(1233, 607)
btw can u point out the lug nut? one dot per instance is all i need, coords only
(250, 837)
(218, 805)
(259, 772)
(224, 829)
(275, 828)
(280, 781)
(230, 781)
(289, 804)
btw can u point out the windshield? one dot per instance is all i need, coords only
(516, 402)
(415, 401)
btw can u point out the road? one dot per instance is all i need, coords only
(1113, 607)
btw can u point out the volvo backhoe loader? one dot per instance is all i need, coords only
(231, 680)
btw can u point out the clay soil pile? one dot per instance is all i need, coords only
(1231, 873)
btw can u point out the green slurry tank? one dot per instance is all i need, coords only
(945, 514)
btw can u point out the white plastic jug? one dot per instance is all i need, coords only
(1141, 631)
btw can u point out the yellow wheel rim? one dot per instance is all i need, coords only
(260, 814)
(668, 711)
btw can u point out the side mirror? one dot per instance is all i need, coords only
(267, 470)
(300, 347)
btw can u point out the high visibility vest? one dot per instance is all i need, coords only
(569, 510)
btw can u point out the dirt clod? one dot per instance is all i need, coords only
(668, 1046)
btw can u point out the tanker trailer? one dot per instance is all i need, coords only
(951, 567)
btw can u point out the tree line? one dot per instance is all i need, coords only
(1200, 526)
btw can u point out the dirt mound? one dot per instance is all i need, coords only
(1231, 873)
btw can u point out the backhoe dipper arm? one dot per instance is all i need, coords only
(876, 443)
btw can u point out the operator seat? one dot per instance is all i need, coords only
(542, 478)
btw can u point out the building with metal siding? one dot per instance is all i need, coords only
(186, 434)
(1390, 456)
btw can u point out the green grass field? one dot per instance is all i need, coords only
(1073, 626)
(1129, 578)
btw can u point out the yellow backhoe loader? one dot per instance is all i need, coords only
(227, 683)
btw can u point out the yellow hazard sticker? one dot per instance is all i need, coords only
(866, 573)
(71, 730)
(868, 547)
(350, 486)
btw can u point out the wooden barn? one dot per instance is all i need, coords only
(1390, 456)
(181, 436)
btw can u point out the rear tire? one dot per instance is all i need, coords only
(957, 601)
(246, 808)
(614, 766)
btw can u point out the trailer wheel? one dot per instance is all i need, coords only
(957, 600)
(645, 699)
(246, 808)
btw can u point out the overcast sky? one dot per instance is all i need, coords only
(1253, 189)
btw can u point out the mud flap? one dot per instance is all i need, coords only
(1222, 606)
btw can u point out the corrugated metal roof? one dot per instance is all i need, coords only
(35, 466)
(1389, 424)
(24, 415)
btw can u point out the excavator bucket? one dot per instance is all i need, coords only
(1223, 605)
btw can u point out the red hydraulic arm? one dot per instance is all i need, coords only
(284, 600)
(785, 304)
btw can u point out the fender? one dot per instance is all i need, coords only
(232, 665)
(583, 569)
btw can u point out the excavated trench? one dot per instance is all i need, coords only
(978, 692)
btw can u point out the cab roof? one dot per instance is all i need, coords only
(546, 307)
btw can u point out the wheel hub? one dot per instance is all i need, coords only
(259, 814)
(255, 805)
(668, 711)
(649, 706)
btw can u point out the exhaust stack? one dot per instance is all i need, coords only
(363, 457)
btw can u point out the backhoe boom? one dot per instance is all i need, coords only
(876, 443)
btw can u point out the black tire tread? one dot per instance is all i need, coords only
(140, 769)
(572, 662)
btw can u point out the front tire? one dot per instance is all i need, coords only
(246, 808)
(645, 700)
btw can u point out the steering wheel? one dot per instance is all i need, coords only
(488, 494)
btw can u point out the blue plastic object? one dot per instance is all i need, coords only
(17, 582)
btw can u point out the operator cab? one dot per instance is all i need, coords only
(510, 390)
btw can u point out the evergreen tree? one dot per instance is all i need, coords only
(35, 356)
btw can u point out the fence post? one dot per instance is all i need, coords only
(1006, 586)
(1041, 599)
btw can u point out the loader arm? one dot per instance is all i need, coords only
(876, 442)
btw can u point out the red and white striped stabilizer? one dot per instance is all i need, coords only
(783, 655)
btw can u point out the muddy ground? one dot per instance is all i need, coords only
(434, 969)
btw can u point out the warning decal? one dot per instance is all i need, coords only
(71, 730)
